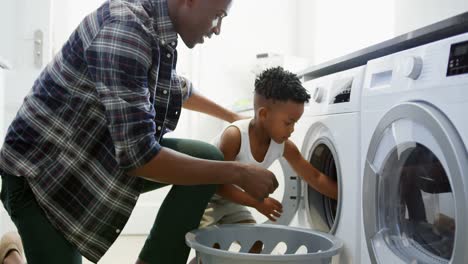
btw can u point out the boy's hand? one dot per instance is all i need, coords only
(270, 208)
(256, 181)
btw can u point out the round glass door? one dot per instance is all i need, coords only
(416, 205)
(323, 213)
(409, 196)
(323, 159)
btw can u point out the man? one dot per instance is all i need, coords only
(88, 138)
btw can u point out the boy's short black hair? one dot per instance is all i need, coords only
(282, 85)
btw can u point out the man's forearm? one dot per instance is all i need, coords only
(199, 103)
(177, 168)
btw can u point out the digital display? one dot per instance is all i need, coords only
(460, 50)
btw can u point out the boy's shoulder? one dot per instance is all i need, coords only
(231, 133)
(230, 142)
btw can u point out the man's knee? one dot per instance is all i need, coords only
(215, 154)
(207, 189)
(194, 148)
(209, 152)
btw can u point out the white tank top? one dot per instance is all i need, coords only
(275, 150)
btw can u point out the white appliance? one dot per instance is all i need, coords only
(414, 149)
(328, 136)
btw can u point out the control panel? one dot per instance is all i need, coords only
(458, 59)
(342, 88)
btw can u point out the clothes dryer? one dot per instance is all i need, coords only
(414, 144)
(329, 134)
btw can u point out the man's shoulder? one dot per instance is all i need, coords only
(131, 12)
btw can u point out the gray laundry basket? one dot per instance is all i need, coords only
(282, 244)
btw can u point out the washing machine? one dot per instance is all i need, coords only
(414, 148)
(328, 136)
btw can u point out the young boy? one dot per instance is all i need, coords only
(278, 103)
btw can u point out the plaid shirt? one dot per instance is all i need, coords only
(98, 110)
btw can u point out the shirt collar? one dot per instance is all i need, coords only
(163, 24)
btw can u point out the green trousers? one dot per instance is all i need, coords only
(180, 212)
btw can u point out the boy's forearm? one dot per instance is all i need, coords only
(173, 167)
(315, 178)
(322, 183)
(309, 173)
(234, 194)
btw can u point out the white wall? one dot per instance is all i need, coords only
(18, 49)
(329, 29)
(414, 14)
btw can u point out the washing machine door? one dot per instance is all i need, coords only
(288, 192)
(318, 211)
(415, 188)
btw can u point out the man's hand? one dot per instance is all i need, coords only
(257, 181)
(270, 208)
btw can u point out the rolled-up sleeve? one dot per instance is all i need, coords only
(119, 58)
(187, 87)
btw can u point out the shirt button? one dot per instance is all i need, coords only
(163, 42)
(168, 55)
(176, 112)
(173, 43)
(117, 231)
(159, 127)
(165, 92)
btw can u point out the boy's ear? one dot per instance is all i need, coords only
(262, 113)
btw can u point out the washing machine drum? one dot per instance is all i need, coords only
(323, 213)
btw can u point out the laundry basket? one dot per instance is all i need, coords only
(281, 244)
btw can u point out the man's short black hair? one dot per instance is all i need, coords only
(282, 85)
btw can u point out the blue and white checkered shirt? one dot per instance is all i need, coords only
(98, 110)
